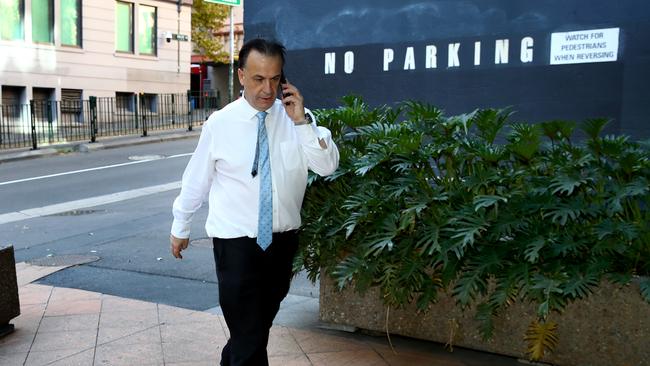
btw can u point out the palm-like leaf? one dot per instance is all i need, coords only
(564, 212)
(581, 284)
(541, 337)
(464, 231)
(549, 292)
(486, 201)
(490, 122)
(533, 248)
(566, 183)
(644, 286)
(470, 284)
(485, 317)
(594, 127)
(428, 242)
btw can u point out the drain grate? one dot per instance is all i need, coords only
(77, 212)
(202, 243)
(146, 157)
(63, 260)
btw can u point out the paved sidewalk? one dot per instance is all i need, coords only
(61, 326)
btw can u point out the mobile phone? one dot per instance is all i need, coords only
(283, 80)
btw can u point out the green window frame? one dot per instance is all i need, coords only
(71, 22)
(124, 27)
(12, 20)
(43, 21)
(147, 30)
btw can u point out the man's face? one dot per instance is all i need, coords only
(260, 78)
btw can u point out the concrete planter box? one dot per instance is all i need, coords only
(9, 303)
(611, 327)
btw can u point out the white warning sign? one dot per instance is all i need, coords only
(585, 46)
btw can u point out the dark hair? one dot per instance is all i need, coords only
(263, 46)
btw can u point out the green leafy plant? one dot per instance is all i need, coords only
(497, 212)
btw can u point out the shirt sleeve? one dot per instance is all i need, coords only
(196, 183)
(321, 161)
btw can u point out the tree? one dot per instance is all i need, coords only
(207, 18)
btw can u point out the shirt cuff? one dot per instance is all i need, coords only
(180, 229)
(308, 133)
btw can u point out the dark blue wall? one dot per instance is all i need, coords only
(537, 90)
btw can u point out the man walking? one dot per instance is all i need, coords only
(252, 159)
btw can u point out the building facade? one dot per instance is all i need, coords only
(553, 59)
(74, 49)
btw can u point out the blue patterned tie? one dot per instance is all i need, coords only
(262, 164)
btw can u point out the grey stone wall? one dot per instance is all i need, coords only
(610, 327)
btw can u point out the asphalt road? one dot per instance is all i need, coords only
(130, 235)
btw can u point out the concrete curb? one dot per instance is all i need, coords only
(27, 154)
(84, 147)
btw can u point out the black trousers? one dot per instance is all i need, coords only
(252, 283)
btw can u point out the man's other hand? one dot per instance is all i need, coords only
(178, 245)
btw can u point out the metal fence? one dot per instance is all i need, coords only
(51, 122)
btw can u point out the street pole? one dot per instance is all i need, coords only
(178, 42)
(232, 60)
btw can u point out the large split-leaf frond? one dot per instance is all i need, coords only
(645, 289)
(485, 317)
(580, 285)
(541, 338)
(490, 122)
(566, 183)
(594, 127)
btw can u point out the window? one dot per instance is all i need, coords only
(11, 21)
(147, 30)
(42, 21)
(71, 22)
(124, 27)
(71, 101)
(149, 103)
(71, 106)
(124, 101)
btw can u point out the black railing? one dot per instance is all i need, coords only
(51, 122)
(15, 126)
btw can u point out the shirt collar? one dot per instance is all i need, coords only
(250, 112)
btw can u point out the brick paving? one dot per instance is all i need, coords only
(61, 326)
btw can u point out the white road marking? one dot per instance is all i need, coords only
(90, 169)
(86, 202)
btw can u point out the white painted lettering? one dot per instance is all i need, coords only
(598, 55)
(452, 58)
(388, 57)
(576, 37)
(431, 58)
(583, 46)
(477, 53)
(330, 62)
(501, 51)
(568, 57)
(527, 49)
(409, 59)
(348, 65)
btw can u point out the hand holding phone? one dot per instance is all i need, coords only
(283, 80)
(292, 100)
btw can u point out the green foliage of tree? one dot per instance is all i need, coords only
(208, 18)
(495, 211)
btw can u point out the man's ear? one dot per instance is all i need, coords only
(240, 75)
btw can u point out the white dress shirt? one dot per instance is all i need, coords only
(221, 166)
